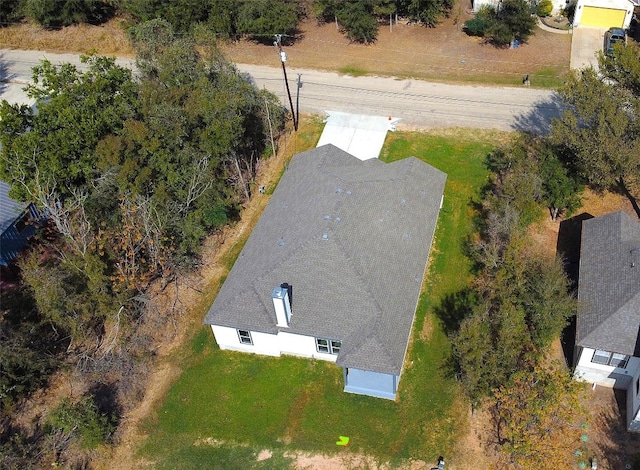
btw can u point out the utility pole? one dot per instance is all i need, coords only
(283, 59)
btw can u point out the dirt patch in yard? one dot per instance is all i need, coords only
(609, 442)
(443, 53)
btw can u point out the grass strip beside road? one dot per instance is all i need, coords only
(229, 405)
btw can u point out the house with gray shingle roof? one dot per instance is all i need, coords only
(18, 222)
(334, 267)
(608, 321)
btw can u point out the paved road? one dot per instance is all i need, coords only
(419, 104)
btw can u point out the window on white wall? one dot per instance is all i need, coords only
(245, 336)
(610, 359)
(328, 346)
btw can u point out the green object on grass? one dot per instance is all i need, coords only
(344, 441)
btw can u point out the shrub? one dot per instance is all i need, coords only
(57, 13)
(84, 418)
(544, 8)
(358, 23)
(476, 26)
(512, 21)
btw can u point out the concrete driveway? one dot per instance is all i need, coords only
(585, 44)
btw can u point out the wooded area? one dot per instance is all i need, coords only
(133, 175)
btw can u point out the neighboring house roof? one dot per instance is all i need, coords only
(10, 209)
(609, 284)
(352, 239)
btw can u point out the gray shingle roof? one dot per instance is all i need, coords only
(352, 238)
(609, 284)
(10, 209)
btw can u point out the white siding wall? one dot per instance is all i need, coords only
(270, 345)
(300, 345)
(477, 4)
(263, 343)
(601, 374)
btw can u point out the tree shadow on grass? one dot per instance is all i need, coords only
(568, 248)
(454, 308)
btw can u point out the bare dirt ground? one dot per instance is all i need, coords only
(107, 39)
(444, 53)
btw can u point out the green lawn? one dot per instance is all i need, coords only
(227, 406)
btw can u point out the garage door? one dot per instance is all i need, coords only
(602, 17)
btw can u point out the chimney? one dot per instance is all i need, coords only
(282, 305)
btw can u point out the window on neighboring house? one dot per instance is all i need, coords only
(245, 336)
(638, 386)
(23, 222)
(610, 359)
(328, 346)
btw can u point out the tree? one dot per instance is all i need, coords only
(600, 128)
(58, 13)
(193, 151)
(561, 190)
(81, 418)
(512, 21)
(544, 8)
(261, 19)
(530, 171)
(523, 302)
(537, 416)
(426, 12)
(10, 12)
(357, 20)
(75, 110)
(622, 68)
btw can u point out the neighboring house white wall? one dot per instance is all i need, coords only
(477, 4)
(633, 400)
(602, 374)
(627, 378)
(559, 5)
(270, 344)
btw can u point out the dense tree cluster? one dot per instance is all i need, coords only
(520, 300)
(359, 19)
(600, 129)
(501, 327)
(133, 174)
(225, 19)
(538, 418)
(501, 26)
(57, 13)
(260, 19)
